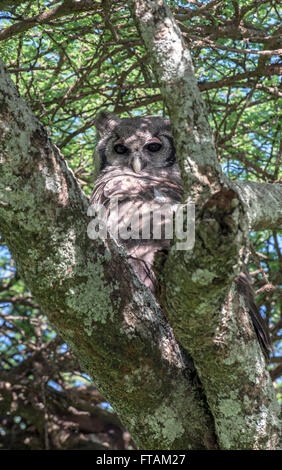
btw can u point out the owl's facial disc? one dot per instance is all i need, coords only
(149, 137)
(137, 149)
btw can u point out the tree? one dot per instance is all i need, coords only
(199, 381)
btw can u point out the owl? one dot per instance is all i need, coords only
(137, 175)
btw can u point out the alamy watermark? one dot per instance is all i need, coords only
(150, 221)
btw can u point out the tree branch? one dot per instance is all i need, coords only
(263, 204)
(226, 81)
(66, 8)
(4, 4)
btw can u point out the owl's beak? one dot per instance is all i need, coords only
(136, 163)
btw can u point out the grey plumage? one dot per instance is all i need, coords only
(137, 164)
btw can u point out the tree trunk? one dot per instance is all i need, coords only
(113, 323)
(198, 295)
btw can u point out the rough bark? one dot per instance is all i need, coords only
(89, 292)
(262, 204)
(114, 325)
(198, 294)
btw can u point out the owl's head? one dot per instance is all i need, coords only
(139, 143)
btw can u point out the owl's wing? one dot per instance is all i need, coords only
(245, 289)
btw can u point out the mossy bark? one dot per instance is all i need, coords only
(197, 285)
(113, 324)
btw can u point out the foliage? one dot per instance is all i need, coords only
(69, 63)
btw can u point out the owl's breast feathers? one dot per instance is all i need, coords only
(143, 194)
(153, 190)
(122, 183)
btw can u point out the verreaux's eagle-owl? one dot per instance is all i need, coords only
(137, 167)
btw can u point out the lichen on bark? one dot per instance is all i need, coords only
(197, 291)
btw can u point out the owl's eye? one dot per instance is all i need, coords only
(120, 149)
(154, 147)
